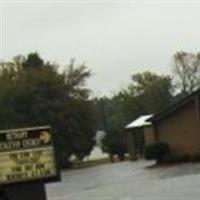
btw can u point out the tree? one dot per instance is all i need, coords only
(114, 142)
(147, 93)
(75, 79)
(187, 71)
(33, 61)
(33, 93)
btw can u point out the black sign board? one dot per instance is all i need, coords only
(27, 154)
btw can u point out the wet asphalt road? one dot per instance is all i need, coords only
(128, 181)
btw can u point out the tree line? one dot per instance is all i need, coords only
(148, 93)
(33, 92)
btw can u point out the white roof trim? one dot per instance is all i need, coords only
(139, 122)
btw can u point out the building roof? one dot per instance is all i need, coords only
(139, 122)
(174, 106)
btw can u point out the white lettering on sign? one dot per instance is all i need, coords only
(26, 154)
(10, 145)
(30, 142)
(16, 135)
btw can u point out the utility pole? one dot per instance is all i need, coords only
(26, 191)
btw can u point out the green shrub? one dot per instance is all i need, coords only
(184, 158)
(195, 158)
(157, 151)
(170, 159)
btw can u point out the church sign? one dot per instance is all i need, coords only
(27, 154)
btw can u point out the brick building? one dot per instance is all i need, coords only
(139, 134)
(179, 125)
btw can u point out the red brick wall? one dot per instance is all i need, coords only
(130, 146)
(180, 130)
(149, 136)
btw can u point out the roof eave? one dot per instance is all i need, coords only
(170, 109)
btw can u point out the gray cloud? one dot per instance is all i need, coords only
(114, 39)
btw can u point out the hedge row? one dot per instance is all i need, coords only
(157, 151)
(160, 152)
(181, 158)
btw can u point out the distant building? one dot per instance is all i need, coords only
(139, 134)
(179, 125)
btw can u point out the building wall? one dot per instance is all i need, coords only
(149, 135)
(130, 146)
(180, 130)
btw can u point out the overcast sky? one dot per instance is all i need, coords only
(114, 38)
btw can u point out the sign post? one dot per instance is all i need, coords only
(27, 161)
(30, 191)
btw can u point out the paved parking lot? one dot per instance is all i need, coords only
(128, 181)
